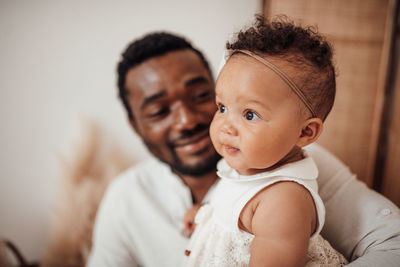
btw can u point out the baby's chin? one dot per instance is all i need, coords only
(240, 169)
(236, 162)
(249, 170)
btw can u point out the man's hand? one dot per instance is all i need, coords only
(188, 219)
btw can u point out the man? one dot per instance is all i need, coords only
(167, 89)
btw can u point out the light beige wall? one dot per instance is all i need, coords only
(58, 65)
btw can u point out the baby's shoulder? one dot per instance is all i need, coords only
(278, 203)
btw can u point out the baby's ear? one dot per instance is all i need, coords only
(311, 130)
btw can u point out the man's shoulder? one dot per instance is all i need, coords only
(137, 182)
(146, 171)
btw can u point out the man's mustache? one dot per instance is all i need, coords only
(186, 134)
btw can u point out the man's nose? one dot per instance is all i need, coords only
(185, 118)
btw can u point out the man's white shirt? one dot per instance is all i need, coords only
(140, 219)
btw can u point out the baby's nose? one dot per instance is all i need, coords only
(228, 127)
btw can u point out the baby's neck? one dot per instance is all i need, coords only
(294, 155)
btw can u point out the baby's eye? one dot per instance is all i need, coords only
(250, 115)
(221, 108)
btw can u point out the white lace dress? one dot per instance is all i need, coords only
(218, 241)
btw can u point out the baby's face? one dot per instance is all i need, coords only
(258, 121)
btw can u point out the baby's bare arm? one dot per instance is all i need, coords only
(283, 218)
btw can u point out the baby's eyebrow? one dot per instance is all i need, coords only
(260, 103)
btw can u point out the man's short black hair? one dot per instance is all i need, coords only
(150, 46)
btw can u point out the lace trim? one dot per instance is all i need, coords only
(214, 245)
(321, 253)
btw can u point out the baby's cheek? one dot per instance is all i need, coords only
(214, 130)
(255, 152)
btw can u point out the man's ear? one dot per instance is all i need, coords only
(133, 124)
(311, 130)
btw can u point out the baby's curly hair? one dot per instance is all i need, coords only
(304, 48)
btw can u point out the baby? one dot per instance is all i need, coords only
(273, 95)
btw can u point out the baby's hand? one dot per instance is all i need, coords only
(188, 219)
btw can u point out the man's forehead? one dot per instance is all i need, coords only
(142, 76)
(174, 66)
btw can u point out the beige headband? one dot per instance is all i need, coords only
(283, 76)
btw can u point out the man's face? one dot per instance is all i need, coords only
(172, 101)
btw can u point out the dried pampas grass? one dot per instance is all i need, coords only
(94, 163)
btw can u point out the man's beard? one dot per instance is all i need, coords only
(204, 166)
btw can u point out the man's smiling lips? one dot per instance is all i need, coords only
(193, 144)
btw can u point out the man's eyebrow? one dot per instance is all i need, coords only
(196, 80)
(152, 97)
